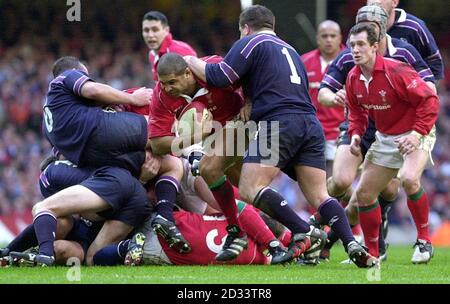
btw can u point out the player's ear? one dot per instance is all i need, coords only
(245, 30)
(376, 46)
(188, 73)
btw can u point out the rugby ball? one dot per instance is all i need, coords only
(192, 118)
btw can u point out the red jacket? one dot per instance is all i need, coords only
(329, 117)
(169, 45)
(397, 99)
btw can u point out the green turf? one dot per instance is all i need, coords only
(398, 269)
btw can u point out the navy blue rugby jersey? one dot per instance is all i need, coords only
(413, 30)
(271, 73)
(69, 119)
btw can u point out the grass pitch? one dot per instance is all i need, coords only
(397, 269)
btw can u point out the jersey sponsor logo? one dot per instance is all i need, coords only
(376, 107)
(211, 244)
(383, 96)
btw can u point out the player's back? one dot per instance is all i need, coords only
(276, 78)
(413, 30)
(206, 235)
(69, 119)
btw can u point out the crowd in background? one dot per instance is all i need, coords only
(29, 47)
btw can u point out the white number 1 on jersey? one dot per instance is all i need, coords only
(294, 75)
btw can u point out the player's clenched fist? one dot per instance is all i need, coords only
(142, 97)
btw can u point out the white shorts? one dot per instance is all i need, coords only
(330, 149)
(153, 252)
(188, 198)
(384, 151)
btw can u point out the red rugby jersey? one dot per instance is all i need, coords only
(206, 234)
(169, 45)
(329, 117)
(396, 98)
(223, 103)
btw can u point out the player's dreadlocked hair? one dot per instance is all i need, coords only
(257, 17)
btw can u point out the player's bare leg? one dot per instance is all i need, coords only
(112, 232)
(65, 250)
(345, 169)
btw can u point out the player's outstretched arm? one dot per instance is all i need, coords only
(328, 98)
(108, 95)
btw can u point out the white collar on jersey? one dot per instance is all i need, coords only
(390, 47)
(155, 55)
(402, 17)
(267, 32)
(200, 92)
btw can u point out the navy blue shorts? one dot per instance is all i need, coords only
(118, 141)
(366, 140)
(297, 140)
(84, 232)
(124, 193)
(59, 175)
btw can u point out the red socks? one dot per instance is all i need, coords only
(255, 226)
(420, 209)
(370, 220)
